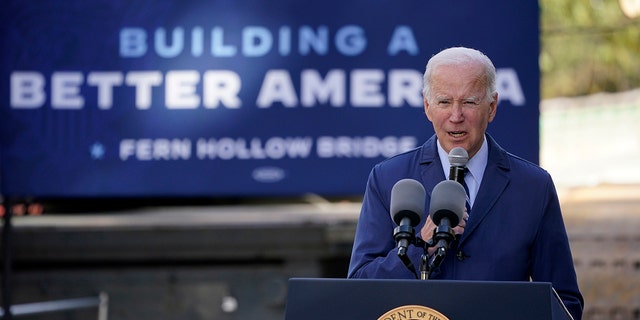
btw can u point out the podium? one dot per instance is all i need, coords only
(315, 299)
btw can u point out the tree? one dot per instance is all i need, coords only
(587, 46)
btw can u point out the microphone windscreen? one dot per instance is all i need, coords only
(458, 157)
(448, 200)
(407, 201)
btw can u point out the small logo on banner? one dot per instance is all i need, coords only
(413, 312)
(268, 174)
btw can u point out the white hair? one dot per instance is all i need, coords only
(460, 56)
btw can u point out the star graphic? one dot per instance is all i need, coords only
(97, 151)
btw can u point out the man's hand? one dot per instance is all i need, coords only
(427, 230)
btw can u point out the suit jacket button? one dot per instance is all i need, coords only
(461, 255)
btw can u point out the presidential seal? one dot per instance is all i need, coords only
(412, 312)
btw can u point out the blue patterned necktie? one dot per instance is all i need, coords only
(466, 189)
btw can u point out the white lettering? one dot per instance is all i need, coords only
(351, 41)
(27, 90)
(405, 85)
(277, 87)
(253, 41)
(273, 148)
(256, 41)
(365, 88)
(155, 149)
(284, 47)
(316, 91)
(177, 43)
(184, 89)
(65, 90)
(403, 40)
(508, 86)
(309, 39)
(221, 87)
(133, 42)
(180, 90)
(105, 81)
(197, 41)
(143, 81)
(363, 147)
(218, 47)
(127, 149)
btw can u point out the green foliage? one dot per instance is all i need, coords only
(587, 46)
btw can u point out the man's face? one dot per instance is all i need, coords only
(459, 108)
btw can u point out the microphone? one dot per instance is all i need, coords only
(407, 206)
(447, 206)
(458, 158)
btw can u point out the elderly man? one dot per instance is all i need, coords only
(515, 230)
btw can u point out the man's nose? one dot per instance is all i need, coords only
(457, 113)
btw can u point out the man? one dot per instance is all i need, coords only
(515, 230)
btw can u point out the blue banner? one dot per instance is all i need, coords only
(143, 98)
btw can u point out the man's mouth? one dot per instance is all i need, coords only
(457, 134)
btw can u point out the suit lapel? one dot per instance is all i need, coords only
(430, 166)
(494, 182)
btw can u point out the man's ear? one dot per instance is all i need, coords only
(426, 108)
(493, 107)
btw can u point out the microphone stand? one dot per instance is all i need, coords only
(408, 234)
(405, 233)
(442, 236)
(424, 261)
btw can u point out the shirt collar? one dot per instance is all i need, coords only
(476, 164)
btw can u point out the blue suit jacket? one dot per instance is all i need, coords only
(515, 231)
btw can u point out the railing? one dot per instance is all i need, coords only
(101, 302)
